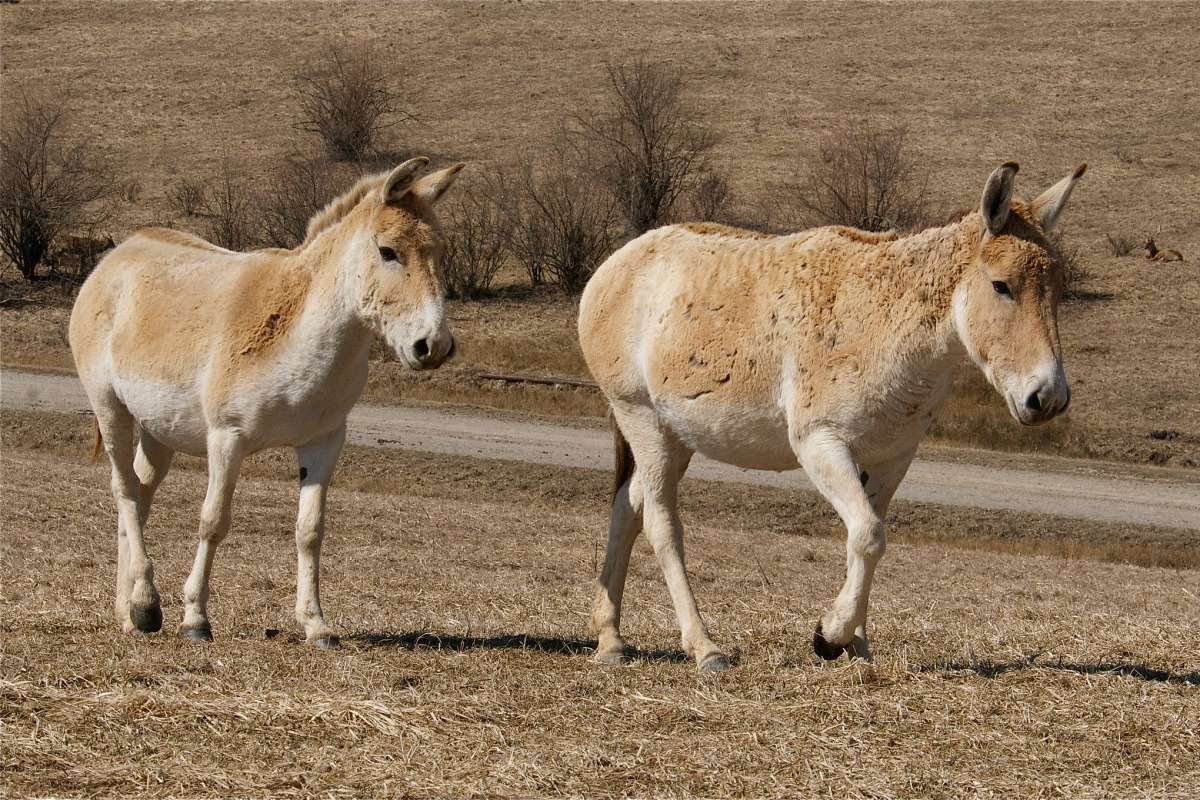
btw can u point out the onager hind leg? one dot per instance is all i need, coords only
(317, 461)
(830, 466)
(661, 462)
(138, 606)
(623, 529)
(150, 463)
(225, 454)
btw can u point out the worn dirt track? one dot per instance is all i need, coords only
(1102, 499)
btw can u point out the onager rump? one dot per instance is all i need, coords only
(185, 346)
(829, 350)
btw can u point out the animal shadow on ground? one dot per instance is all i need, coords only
(993, 669)
(431, 640)
(1085, 296)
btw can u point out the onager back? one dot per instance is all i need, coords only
(189, 347)
(828, 350)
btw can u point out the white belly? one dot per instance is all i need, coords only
(755, 438)
(171, 414)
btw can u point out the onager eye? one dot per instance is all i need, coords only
(1002, 288)
(387, 254)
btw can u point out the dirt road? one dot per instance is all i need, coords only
(1133, 501)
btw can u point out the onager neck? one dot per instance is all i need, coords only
(927, 269)
(332, 333)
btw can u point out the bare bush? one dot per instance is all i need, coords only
(562, 224)
(649, 146)
(477, 236)
(865, 177)
(298, 188)
(131, 191)
(50, 182)
(711, 199)
(1120, 245)
(231, 211)
(186, 196)
(345, 99)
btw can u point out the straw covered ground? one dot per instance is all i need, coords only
(462, 587)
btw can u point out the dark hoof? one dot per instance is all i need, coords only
(330, 642)
(714, 663)
(203, 634)
(827, 651)
(147, 620)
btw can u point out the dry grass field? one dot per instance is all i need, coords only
(1004, 669)
(170, 91)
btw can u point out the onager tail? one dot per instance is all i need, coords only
(99, 440)
(624, 459)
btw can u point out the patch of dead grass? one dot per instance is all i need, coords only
(464, 589)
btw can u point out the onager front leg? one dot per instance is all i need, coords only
(225, 454)
(317, 461)
(830, 466)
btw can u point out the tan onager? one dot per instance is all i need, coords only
(185, 346)
(828, 350)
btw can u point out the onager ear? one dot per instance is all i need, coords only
(401, 178)
(1050, 203)
(431, 187)
(997, 197)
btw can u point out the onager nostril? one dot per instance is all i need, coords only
(1033, 402)
(421, 349)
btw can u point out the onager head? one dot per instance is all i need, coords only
(1006, 307)
(399, 287)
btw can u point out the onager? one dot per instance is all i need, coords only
(828, 350)
(185, 346)
(1154, 254)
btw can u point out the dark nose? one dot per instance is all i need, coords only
(1033, 402)
(422, 350)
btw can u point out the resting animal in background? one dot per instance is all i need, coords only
(185, 346)
(82, 252)
(1154, 254)
(819, 350)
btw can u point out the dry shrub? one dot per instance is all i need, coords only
(863, 176)
(711, 199)
(649, 147)
(1120, 245)
(51, 182)
(345, 99)
(562, 224)
(186, 196)
(477, 235)
(298, 187)
(231, 211)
